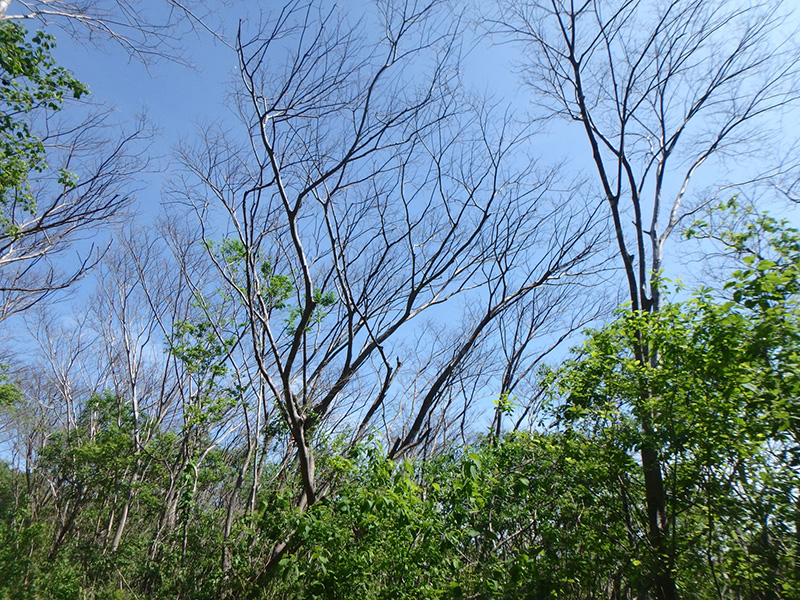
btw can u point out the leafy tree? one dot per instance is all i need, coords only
(720, 401)
(30, 80)
(660, 92)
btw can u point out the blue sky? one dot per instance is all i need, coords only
(178, 99)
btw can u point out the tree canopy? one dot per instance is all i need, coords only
(333, 366)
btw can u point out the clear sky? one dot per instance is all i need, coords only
(179, 98)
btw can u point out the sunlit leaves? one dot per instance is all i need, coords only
(30, 80)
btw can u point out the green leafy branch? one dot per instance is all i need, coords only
(30, 80)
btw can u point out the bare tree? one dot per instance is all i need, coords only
(114, 350)
(72, 205)
(144, 30)
(660, 91)
(66, 172)
(366, 189)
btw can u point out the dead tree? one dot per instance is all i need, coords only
(145, 31)
(364, 191)
(36, 244)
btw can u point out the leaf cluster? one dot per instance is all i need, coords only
(30, 80)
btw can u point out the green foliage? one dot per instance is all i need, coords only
(10, 393)
(204, 348)
(10, 487)
(534, 516)
(506, 404)
(529, 516)
(232, 253)
(378, 536)
(277, 289)
(200, 348)
(699, 389)
(718, 387)
(559, 513)
(27, 573)
(322, 301)
(30, 80)
(92, 459)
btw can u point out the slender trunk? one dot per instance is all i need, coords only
(168, 516)
(110, 525)
(123, 516)
(226, 534)
(123, 520)
(70, 515)
(305, 458)
(658, 525)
